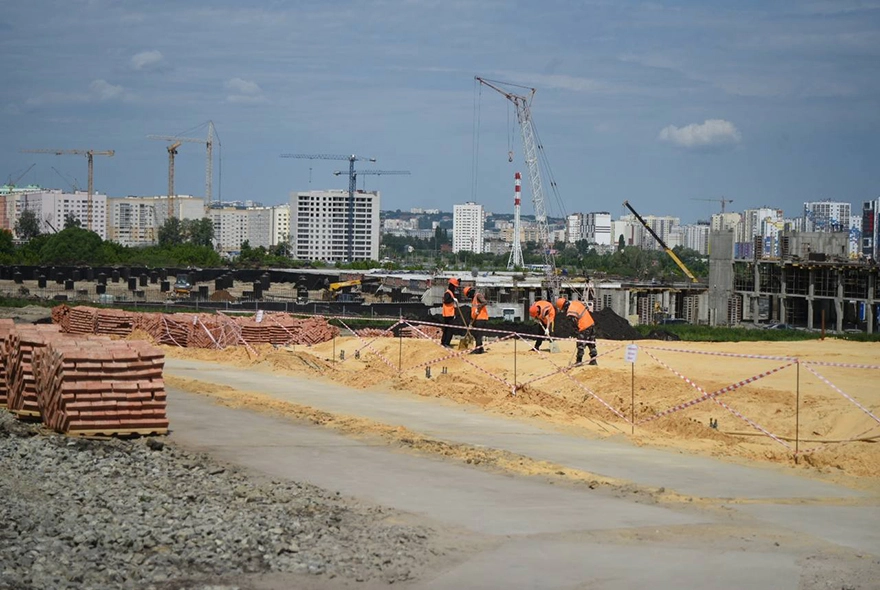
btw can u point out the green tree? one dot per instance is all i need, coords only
(28, 226)
(621, 243)
(6, 245)
(198, 231)
(70, 220)
(171, 232)
(72, 245)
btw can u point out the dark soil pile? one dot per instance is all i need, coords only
(611, 326)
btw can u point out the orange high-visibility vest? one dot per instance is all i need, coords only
(546, 312)
(449, 308)
(477, 312)
(579, 311)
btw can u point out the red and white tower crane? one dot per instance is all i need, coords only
(516, 256)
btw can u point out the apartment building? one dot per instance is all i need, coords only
(325, 226)
(53, 206)
(467, 228)
(135, 221)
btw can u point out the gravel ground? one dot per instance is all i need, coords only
(138, 513)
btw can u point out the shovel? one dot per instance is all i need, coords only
(467, 340)
(554, 346)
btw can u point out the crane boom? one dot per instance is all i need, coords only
(209, 153)
(530, 151)
(89, 154)
(663, 245)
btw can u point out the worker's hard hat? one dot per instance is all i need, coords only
(560, 303)
(468, 291)
(533, 310)
(454, 282)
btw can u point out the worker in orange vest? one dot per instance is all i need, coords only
(479, 316)
(543, 313)
(584, 325)
(450, 303)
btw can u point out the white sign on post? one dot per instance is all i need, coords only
(631, 352)
(259, 317)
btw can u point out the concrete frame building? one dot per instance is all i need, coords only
(467, 228)
(321, 227)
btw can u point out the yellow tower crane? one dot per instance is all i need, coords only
(172, 151)
(90, 154)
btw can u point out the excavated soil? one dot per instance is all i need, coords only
(804, 407)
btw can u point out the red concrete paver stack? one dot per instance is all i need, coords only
(254, 332)
(90, 386)
(61, 316)
(82, 320)
(6, 327)
(372, 332)
(432, 332)
(23, 340)
(114, 322)
(174, 329)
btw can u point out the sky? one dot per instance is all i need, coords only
(670, 105)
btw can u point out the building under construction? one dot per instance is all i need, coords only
(812, 284)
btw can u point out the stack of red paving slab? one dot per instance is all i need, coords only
(114, 322)
(61, 316)
(23, 340)
(432, 332)
(6, 327)
(82, 320)
(97, 386)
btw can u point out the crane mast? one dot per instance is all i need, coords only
(209, 152)
(522, 104)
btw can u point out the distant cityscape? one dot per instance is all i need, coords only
(322, 225)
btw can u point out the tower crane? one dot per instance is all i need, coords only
(209, 151)
(373, 172)
(352, 187)
(172, 151)
(531, 153)
(722, 200)
(90, 154)
(13, 182)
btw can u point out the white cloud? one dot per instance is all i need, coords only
(99, 91)
(711, 133)
(244, 91)
(102, 90)
(147, 60)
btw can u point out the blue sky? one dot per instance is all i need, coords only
(766, 103)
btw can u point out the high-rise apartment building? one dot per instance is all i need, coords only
(280, 224)
(467, 228)
(233, 226)
(592, 227)
(827, 216)
(322, 227)
(695, 237)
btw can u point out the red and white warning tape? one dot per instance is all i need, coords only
(370, 346)
(841, 392)
(728, 354)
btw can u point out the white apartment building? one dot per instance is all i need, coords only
(827, 216)
(52, 206)
(695, 237)
(400, 224)
(631, 230)
(233, 226)
(593, 227)
(280, 224)
(723, 221)
(135, 221)
(765, 223)
(574, 228)
(663, 226)
(321, 227)
(467, 228)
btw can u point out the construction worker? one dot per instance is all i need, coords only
(544, 313)
(450, 303)
(584, 325)
(479, 316)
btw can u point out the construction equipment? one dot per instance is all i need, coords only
(722, 200)
(532, 150)
(352, 187)
(209, 151)
(663, 245)
(374, 172)
(182, 286)
(74, 186)
(90, 154)
(172, 151)
(12, 182)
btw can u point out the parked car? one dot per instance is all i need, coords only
(667, 321)
(780, 327)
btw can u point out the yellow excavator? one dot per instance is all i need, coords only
(663, 245)
(343, 290)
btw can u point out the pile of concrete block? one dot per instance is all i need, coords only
(95, 385)
(431, 332)
(82, 384)
(198, 330)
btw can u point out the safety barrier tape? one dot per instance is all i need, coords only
(713, 396)
(236, 330)
(828, 444)
(729, 354)
(208, 332)
(844, 365)
(390, 330)
(373, 350)
(705, 396)
(841, 392)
